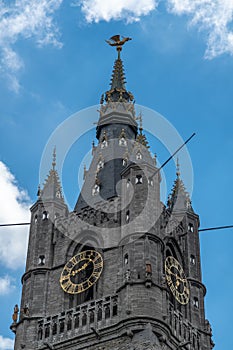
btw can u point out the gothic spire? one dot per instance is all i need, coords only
(52, 187)
(118, 77)
(54, 158)
(179, 198)
(117, 92)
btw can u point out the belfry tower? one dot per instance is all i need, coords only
(122, 271)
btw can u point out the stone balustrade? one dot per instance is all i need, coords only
(78, 320)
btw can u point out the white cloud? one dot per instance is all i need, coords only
(33, 19)
(14, 208)
(6, 285)
(212, 16)
(24, 19)
(6, 343)
(131, 10)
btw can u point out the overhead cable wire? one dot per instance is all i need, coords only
(168, 160)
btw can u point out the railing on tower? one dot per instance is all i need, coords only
(78, 320)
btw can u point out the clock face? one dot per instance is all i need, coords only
(177, 280)
(81, 272)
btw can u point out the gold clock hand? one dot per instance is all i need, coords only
(180, 279)
(177, 276)
(81, 268)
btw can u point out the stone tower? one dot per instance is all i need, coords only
(122, 271)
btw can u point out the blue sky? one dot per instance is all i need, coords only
(54, 62)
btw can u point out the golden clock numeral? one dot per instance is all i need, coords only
(184, 300)
(64, 277)
(74, 261)
(80, 288)
(97, 257)
(82, 256)
(89, 284)
(72, 288)
(68, 269)
(172, 288)
(66, 285)
(99, 265)
(95, 274)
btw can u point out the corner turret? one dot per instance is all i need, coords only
(179, 199)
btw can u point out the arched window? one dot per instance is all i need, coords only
(126, 259)
(190, 227)
(99, 313)
(138, 179)
(114, 308)
(192, 259)
(36, 219)
(76, 321)
(150, 182)
(84, 319)
(92, 316)
(104, 142)
(45, 215)
(40, 332)
(124, 161)
(58, 194)
(54, 328)
(196, 302)
(107, 311)
(62, 326)
(47, 331)
(138, 155)
(41, 260)
(127, 216)
(122, 141)
(69, 322)
(128, 183)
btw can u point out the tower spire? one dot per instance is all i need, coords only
(179, 198)
(117, 92)
(52, 187)
(54, 158)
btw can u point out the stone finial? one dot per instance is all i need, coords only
(177, 167)
(39, 191)
(54, 158)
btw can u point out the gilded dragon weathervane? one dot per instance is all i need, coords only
(117, 41)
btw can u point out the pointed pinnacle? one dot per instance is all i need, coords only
(140, 122)
(177, 168)
(54, 158)
(38, 191)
